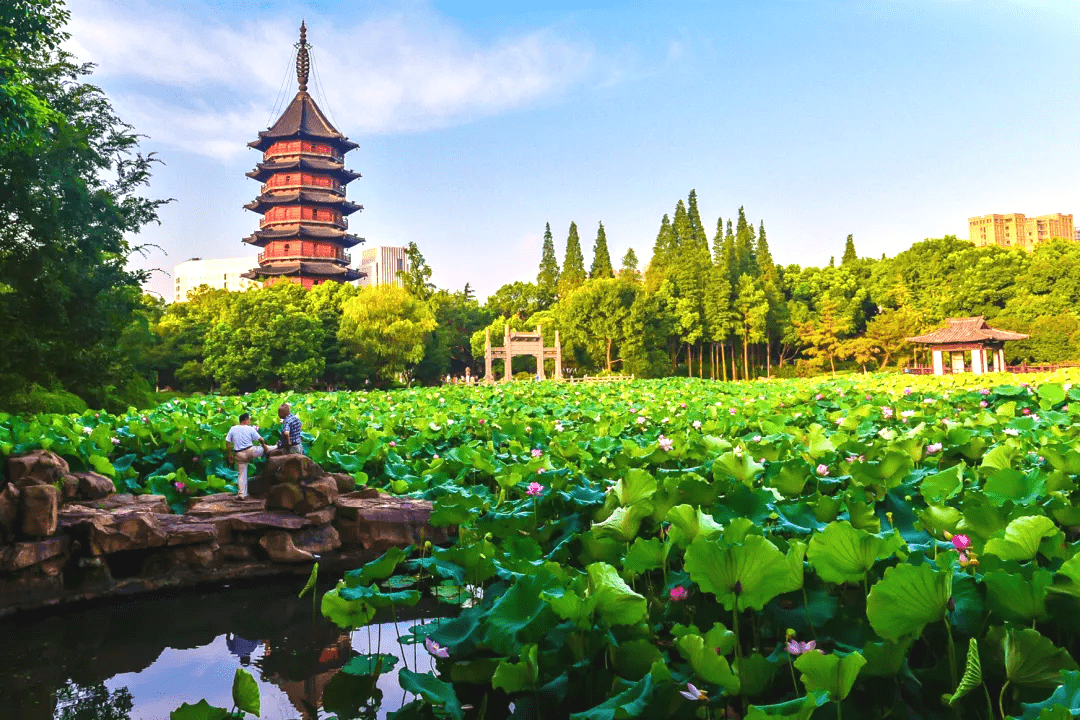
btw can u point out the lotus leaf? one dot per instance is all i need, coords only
(749, 574)
(514, 677)
(439, 694)
(707, 663)
(1022, 538)
(906, 599)
(1032, 659)
(834, 673)
(843, 554)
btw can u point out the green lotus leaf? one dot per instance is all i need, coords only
(1022, 538)
(372, 664)
(245, 692)
(740, 466)
(834, 673)
(886, 659)
(1017, 597)
(942, 485)
(378, 569)
(1065, 698)
(634, 487)
(755, 674)
(972, 674)
(201, 710)
(440, 694)
(842, 554)
(1009, 484)
(629, 703)
(707, 663)
(635, 659)
(906, 599)
(520, 615)
(688, 522)
(645, 555)
(616, 603)
(310, 584)
(1000, 457)
(623, 523)
(750, 574)
(1033, 659)
(797, 709)
(789, 477)
(1067, 579)
(375, 597)
(517, 676)
(345, 613)
(796, 559)
(1051, 394)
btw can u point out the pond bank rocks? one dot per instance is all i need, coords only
(66, 536)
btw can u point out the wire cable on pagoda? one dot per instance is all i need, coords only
(283, 90)
(322, 91)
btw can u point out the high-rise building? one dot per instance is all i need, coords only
(218, 274)
(303, 232)
(381, 265)
(1018, 230)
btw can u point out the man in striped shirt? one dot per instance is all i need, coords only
(291, 427)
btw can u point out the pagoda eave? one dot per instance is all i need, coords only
(265, 140)
(260, 238)
(266, 201)
(316, 270)
(265, 170)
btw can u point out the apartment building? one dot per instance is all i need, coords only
(381, 265)
(1018, 230)
(218, 274)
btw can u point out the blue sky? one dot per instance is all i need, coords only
(479, 122)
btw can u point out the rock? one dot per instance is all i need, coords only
(96, 487)
(70, 488)
(292, 469)
(318, 493)
(283, 496)
(121, 500)
(153, 503)
(279, 546)
(25, 554)
(237, 552)
(130, 530)
(264, 521)
(37, 467)
(321, 517)
(386, 521)
(221, 504)
(40, 508)
(182, 530)
(317, 540)
(345, 482)
(9, 510)
(195, 556)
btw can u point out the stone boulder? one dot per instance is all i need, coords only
(346, 483)
(26, 554)
(40, 510)
(37, 467)
(104, 531)
(9, 511)
(382, 522)
(280, 547)
(92, 486)
(291, 469)
(304, 497)
(69, 489)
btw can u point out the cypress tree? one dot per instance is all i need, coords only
(548, 277)
(731, 257)
(573, 270)
(744, 246)
(764, 256)
(601, 262)
(684, 234)
(718, 243)
(849, 251)
(629, 270)
(701, 240)
(662, 251)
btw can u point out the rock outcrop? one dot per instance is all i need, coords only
(67, 536)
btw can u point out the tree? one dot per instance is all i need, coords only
(573, 272)
(93, 702)
(547, 280)
(266, 337)
(629, 270)
(596, 316)
(850, 255)
(751, 315)
(517, 299)
(323, 303)
(601, 264)
(889, 330)
(697, 228)
(71, 193)
(822, 334)
(744, 246)
(385, 327)
(863, 349)
(447, 349)
(416, 278)
(663, 248)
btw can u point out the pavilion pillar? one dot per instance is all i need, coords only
(488, 377)
(558, 357)
(999, 359)
(939, 368)
(508, 374)
(540, 353)
(977, 361)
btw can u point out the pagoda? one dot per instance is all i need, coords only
(304, 229)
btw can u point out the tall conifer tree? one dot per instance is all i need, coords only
(601, 262)
(629, 270)
(744, 246)
(684, 233)
(731, 257)
(548, 277)
(663, 248)
(573, 270)
(701, 240)
(850, 255)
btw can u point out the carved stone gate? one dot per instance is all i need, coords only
(517, 344)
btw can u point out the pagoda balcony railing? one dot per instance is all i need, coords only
(265, 222)
(341, 257)
(299, 186)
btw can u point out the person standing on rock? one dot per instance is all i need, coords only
(291, 427)
(240, 446)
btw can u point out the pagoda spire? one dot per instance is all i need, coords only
(303, 62)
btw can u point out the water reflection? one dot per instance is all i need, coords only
(139, 659)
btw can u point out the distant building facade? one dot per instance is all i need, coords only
(1018, 230)
(381, 265)
(218, 274)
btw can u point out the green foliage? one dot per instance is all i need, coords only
(601, 264)
(547, 280)
(573, 269)
(385, 327)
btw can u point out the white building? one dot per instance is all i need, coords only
(381, 264)
(218, 274)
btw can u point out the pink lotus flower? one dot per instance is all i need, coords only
(823, 470)
(933, 448)
(535, 489)
(692, 693)
(682, 405)
(1027, 411)
(696, 424)
(393, 444)
(984, 391)
(180, 487)
(796, 648)
(961, 542)
(435, 456)
(678, 593)
(908, 391)
(731, 411)
(482, 421)
(540, 471)
(640, 420)
(666, 443)
(115, 441)
(983, 403)
(537, 452)
(435, 649)
(887, 412)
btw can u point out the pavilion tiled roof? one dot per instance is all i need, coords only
(966, 330)
(302, 119)
(302, 231)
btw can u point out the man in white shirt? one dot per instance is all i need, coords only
(240, 443)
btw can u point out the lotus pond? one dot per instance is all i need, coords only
(868, 547)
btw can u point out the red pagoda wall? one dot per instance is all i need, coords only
(296, 213)
(294, 181)
(313, 249)
(295, 147)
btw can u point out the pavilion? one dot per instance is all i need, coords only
(968, 334)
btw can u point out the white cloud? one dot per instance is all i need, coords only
(207, 87)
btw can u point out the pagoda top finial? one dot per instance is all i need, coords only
(303, 62)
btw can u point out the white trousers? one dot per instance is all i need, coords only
(243, 459)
